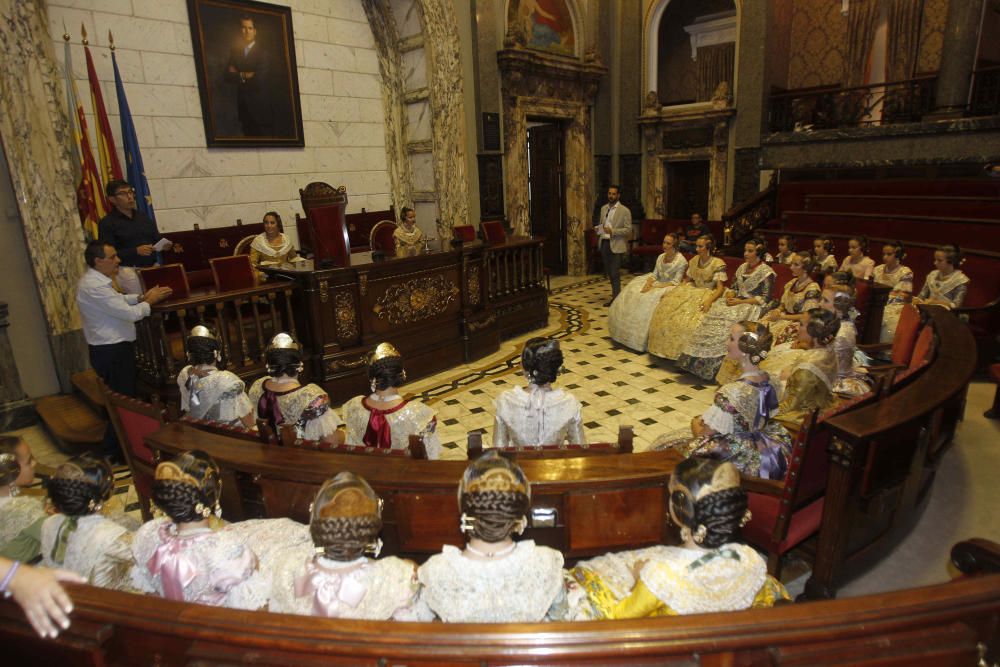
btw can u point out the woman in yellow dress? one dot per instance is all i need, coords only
(408, 238)
(271, 247)
(680, 312)
(801, 294)
(710, 571)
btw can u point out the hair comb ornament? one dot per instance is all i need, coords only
(384, 351)
(202, 331)
(498, 479)
(375, 548)
(348, 503)
(466, 524)
(283, 341)
(171, 472)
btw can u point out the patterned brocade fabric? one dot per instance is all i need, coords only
(537, 416)
(18, 513)
(414, 418)
(678, 315)
(308, 407)
(631, 312)
(219, 396)
(951, 289)
(900, 280)
(98, 549)
(794, 301)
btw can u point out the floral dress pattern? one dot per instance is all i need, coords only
(678, 315)
(900, 280)
(218, 396)
(631, 312)
(307, 406)
(951, 289)
(794, 301)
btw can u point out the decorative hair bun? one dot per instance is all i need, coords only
(755, 341)
(822, 325)
(493, 496)
(346, 518)
(707, 500)
(81, 485)
(542, 360)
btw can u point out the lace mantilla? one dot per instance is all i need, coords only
(537, 416)
(218, 396)
(414, 418)
(99, 549)
(693, 581)
(18, 513)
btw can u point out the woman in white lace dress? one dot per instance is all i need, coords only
(630, 313)
(279, 398)
(210, 393)
(538, 414)
(899, 279)
(17, 512)
(494, 579)
(946, 285)
(180, 556)
(79, 537)
(852, 377)
(336, 579)
(709, 572)
(384, 419)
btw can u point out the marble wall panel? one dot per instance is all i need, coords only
(406, 14)
(418, 121)
(315, 82)
(340, 31)
(351, 84)
(157, 9)
(423, 171)
(414, 70)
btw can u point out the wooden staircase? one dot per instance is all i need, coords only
(76, 421)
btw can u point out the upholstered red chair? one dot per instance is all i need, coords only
(327, 227)
(592, 251)
(862, 298)
(493, 232)
(381, 238)
(168, 275)
(243, 247)
(133, 420)
(232, 273)
(464, 233)
(782, 274)
(903, 341)
(649, 245)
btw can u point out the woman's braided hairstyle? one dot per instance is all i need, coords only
(203, 349)
(284, 361)
(494, 497)
(80, 485)
(387, 372)
(541, 360)
(755, 341)
(181, 485)
(822, 325)
(808, 262)
(10, 467)
(346, 517)
(898, 248)
(952, 254)
(707, 492)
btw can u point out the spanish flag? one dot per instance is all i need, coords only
(111, 168)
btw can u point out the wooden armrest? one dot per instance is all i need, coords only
(884, 368)
(767, 487)
(969, 310)
(474, 446)
(874, 347)
(625, 437)
(976, 556)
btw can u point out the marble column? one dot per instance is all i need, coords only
(35, 133)
(958, 57)
(16, 410)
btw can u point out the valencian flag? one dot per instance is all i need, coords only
(130, 142)
(111, 168)
(90, 199)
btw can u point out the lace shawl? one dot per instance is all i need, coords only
(261, 245)
(796, 302)
(414, 418)
(861, 268)
(899, 279)
(218, 396)
(18, 513)
(407, 239)
(537, 416)
(307, 406)
(693, 581)
(735, 407)
(706, 276)
(669, 272)
(952, 289)
(520, 588)
(99, 549)
(756, 284)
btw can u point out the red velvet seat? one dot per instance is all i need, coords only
(493, 232)
(232, 273)
(381, 238)
(905, 338)
(168, 275)
(464, 233)
(650, 241)
(782, 275)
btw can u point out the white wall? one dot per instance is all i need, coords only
(342, 112)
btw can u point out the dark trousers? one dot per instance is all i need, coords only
(115, 364)
(612, 266)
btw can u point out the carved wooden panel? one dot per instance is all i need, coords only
(606, 518)
(425, 521)
(490, 186)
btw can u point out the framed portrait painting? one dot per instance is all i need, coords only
(244, 53)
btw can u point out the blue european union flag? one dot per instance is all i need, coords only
(134, 171)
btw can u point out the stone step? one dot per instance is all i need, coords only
(86, 383)
(72, 422)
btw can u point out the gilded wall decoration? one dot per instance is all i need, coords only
(415, 300)
(818, 44)
(474, 287)
(546, 25)
(935, 15)
(347, 322)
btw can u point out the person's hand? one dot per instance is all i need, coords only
(43, 600)
(156, 294)
(706, 303)
(648, 286)
(774, 315)
(145, 250)
(733, 301)
(636, 567)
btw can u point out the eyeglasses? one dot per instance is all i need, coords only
(125, 193)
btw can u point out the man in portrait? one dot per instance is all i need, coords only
(248, 69)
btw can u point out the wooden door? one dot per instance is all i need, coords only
(687, 189)
(546, 192)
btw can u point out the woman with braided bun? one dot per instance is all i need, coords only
(18, 513)
(384, 419)
(744, 300)
(852, 378)
(180, 556)
(946, 285)
(800, 294)
(857, 261)
(538, 414)
(823, 258)
(494, 579)
(79, 538)
(709, 572)
(738, 426)
(336, 578)
(210, 393)
(279, 398)
(899, 279)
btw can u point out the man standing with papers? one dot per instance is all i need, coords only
(132, 234)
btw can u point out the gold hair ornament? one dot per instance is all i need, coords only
(385, 351)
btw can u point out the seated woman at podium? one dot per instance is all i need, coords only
(408, 237)
(538, 414)
(271, 246)
(206, 391)
(385, 419)
(279, 398)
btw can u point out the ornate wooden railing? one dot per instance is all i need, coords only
(742, 219)
(513, 267)
(245, 321)
(827, 108)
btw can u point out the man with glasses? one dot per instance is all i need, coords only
(130, 232)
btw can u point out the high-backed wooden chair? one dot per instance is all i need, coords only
(381, 238)
(493, 232)
(463, 233)
(232, 273)
(133, 420)
(168, 275)
(243, 247)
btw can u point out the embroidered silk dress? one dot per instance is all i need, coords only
(525, 586)
(674, 581)
(263, 253)
(392, 428)
(408, 242)
(206, 566)
(678, 314)
(809, 381)
(900, 280)
(375, 590)
(93, 546)
(862, 269)
(631, 312)
(851, 380)
(218, 396)
(306, 406)
(951, 289)
(795, 300)
(826, 265)
(17, 514)
(745, 435)
(706, 348)
(537, 416)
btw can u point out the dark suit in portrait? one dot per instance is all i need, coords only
(248, 69)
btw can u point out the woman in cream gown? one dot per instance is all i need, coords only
(857, 261)
(852, 378)
(946, 285)
(208, 392)
(271, 247)
(899, 279)
(709, 572)
(744, 301)
(631, 312)
(680, 311)
(800, 294)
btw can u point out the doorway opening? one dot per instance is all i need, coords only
(687, 189)
(547, 190)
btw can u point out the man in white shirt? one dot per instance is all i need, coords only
(614, 228)
(109, 318)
